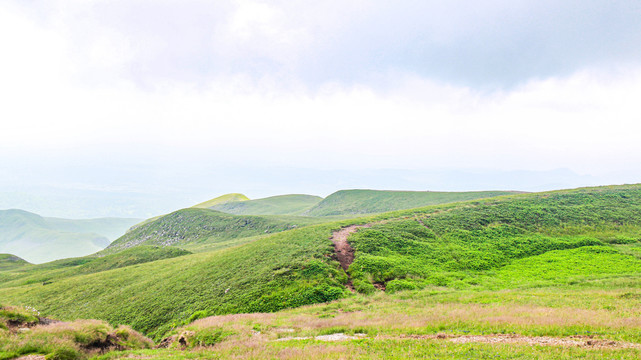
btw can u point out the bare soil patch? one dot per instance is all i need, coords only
(579, 341)
(330, 337)
(344, 251)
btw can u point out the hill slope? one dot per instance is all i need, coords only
(233, 197)
(350, 202)
(274, 205)
(10, 262)
(189, 227)
(480, 244)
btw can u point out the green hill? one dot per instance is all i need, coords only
(52, 271)
(38, 239)
(189, 228)
(354, 202)
(583, 238)
(10, 262)
(233, 197)
(274, 205)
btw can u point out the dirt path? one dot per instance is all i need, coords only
(579, 341)
(571, 341)
(344, 251)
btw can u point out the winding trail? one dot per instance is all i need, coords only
(344, 251)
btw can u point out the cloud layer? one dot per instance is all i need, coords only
(327, 85)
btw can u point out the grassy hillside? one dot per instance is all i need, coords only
(285, 270)
(52, 271)
(274, 205)
(233, 197)
(581, 240)
(461, 245)
(10, 262)
(192, 227)
(350, 202)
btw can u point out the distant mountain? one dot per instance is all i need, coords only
(275, 205)
(38, 239)
(352, 202)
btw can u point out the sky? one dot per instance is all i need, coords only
(135, 108)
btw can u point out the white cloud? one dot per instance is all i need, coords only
(586, 121)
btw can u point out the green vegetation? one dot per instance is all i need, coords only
(193, 227)
(284, 270)
(563, 264)
(38, 239)
(10, 262)
(274, 205)
(463, 245)
(61, 341)
(233, 197)
(557, 322)
(48, 273)
(353, 202)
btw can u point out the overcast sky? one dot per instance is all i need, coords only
(198, 98)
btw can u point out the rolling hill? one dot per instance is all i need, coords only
(38, 239)
(233, 197)
(190, 228)
(274, 205)
(11, 262)
(359, 202)
(573, 242)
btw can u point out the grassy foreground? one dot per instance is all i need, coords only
(596, 321)
(23, 332)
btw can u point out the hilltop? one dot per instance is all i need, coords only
(360, 202)
(9, 262)
(345, 203)
(189, 228)
(233, 197)
(294, 204)
(39, 239)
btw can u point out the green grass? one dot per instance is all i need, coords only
(233, 197)
(403, 325)
(354, 202)
(61, 341)
(274, 205)
(192, 228)
(486, 252)
(11, 262)
(286, 270)
(48, 273)
(460, 244)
